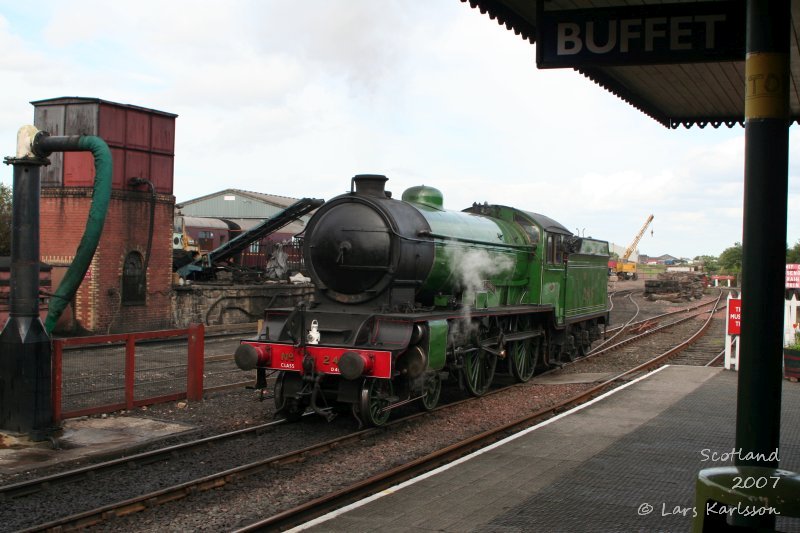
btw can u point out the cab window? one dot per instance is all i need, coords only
(530, 229)
(555, 249)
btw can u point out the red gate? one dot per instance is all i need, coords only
(92, 374)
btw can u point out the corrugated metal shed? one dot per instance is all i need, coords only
(673, 94)
(236, 203)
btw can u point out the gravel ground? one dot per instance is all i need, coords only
(259, 495)
(264, 494)
(237, 408)
(240, 407)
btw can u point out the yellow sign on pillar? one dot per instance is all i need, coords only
(766, 86)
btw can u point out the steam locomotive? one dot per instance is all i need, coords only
(409, 295)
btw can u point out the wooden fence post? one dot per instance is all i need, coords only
(196, 362)
(731, 340)
(58, 371)
(790, 319)
(130, 370)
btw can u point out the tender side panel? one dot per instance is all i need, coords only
(587, 278)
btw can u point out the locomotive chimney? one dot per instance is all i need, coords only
(370, 184)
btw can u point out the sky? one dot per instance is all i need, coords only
(294, 98)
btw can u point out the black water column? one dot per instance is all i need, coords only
(25, 353)
(764, 237)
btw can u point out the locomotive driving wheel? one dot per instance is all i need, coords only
(584, 342)
(375, 396)
(289, 407)
(431, 390)
(478, 369)
(524, 353)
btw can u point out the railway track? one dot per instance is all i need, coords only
(712, 343)
(318, 453)
(40, 490)
(620, 302)
(633, 327)
(375, 484)
(696, 354)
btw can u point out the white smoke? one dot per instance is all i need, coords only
(472, 272)
(474, 269)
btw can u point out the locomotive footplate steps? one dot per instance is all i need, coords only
(628, 461)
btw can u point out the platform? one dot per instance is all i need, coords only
(82, 438)
(627, 461)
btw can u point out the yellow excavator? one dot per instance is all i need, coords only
(626, 269)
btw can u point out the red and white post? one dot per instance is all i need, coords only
(733, 327)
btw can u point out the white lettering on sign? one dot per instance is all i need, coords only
(734, 316)
(625, 35)
(651, 31)
(792, 276)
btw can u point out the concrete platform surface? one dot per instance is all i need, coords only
(627, 461)
(82, 438)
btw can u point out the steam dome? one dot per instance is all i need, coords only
(424, 195)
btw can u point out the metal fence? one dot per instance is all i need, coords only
(257, 257)
(294, 251)
(111, 372)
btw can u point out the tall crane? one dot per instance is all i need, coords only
(625, 268)
(632, 246)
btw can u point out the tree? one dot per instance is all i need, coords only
(5, 220)
(730, 260)
(710, 264)
(793, 254)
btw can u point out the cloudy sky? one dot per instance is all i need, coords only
(294, 98)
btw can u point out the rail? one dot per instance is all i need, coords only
(318, 506)
(335, 500)
(208, 481)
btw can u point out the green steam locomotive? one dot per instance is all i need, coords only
(410, 295)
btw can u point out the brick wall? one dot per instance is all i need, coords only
(98, 306)
(216, 304)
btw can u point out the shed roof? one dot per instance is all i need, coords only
(273, 199)
(63, 100)
(673, 94)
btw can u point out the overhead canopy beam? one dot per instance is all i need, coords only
(709, 90)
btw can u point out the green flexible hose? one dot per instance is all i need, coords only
(101, 196)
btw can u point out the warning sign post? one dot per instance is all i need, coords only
(733, 328)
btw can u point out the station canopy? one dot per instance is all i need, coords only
(680, 62)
